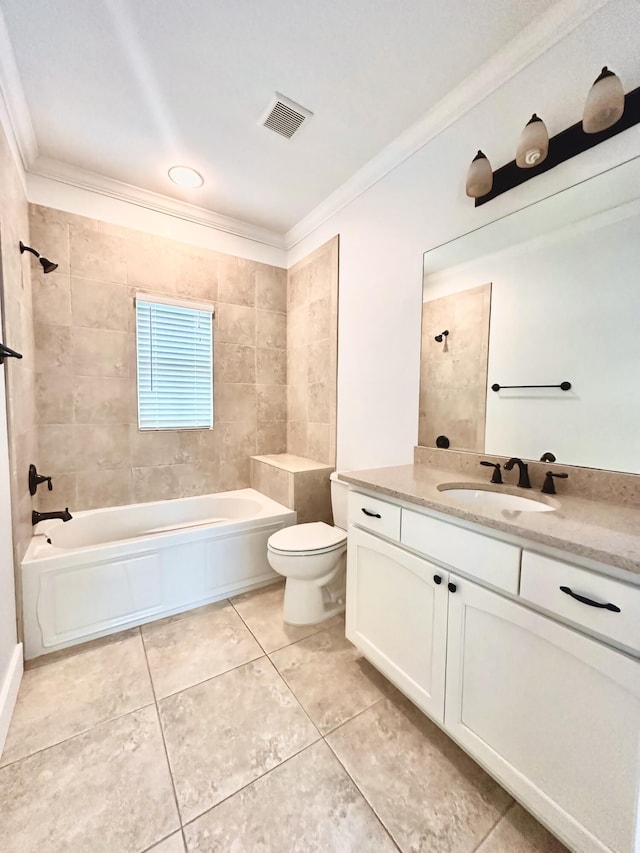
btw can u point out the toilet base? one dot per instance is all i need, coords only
(308, 602)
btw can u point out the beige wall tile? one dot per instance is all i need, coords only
(272, 437)
(49, 235)
(54, 397)
(297, 438)
(236, 281)
(234, 474)
(53, 348)
(271, 288)
(64, 494)
(235, 403)
(97, 256)
(199, 445)
(271, 403)
(319, 443)
(197, 478)
(57, 451)
(236, 324)
(159, 483)
(234, 363)
(102, 446)
(100, 304)
(271, 329)
(271, 366)
(152, 263)
(235, 443)
(99, 352)
(275, 483)
(110, 487)
(98, 400)
(51, 299)
(161, 447)
(198, 273)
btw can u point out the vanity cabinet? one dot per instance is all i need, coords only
(552, 714)
(397, 617)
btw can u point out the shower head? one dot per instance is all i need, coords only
(47, 265)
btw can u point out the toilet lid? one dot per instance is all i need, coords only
(314, 536)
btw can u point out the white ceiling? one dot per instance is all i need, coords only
(127, 88)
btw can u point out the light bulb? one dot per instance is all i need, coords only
(533, 145)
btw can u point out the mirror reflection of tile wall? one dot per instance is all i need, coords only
(453, 373)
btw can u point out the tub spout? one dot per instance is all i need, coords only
(37, 517)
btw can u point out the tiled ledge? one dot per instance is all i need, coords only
(298, 483)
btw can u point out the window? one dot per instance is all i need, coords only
(175, 363)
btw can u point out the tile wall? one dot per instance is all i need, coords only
(18, 334)
(312, 354)
(86, 365)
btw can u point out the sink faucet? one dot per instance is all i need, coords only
(523, 480)
(496, 477)
(37, 517)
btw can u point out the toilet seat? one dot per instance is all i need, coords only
(316, 537)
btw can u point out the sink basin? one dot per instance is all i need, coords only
(473, 494)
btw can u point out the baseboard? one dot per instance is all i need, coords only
(9, 692)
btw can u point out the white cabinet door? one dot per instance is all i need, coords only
(397, 617)
(552, 714)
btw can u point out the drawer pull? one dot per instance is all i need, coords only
(605, 606)
(370, 514)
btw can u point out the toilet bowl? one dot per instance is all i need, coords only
(312, 557)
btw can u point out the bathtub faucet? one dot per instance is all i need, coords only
(37, 517)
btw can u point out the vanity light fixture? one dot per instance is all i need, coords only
(479, 177)
(184, 176)
(607, 112)
(439, 337)
(605, 103)
(533, 146)
(47, 265)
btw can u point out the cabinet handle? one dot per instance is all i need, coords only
(437, 579)
(603, 605)
(452, 587)
(370, 514)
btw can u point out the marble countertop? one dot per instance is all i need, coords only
(601, 532)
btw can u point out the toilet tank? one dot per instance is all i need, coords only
(339, 494)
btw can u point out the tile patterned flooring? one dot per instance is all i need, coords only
(225, 730)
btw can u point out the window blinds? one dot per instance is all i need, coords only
(175, 365)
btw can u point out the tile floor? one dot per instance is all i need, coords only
(226, 730)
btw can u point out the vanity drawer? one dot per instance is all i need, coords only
(543, 577)
(496, 563)
(375, 515)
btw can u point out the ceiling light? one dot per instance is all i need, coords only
(183, 176)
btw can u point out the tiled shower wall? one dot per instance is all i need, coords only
(18, 334)
(86, 365)
(312, 354)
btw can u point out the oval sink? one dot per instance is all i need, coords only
(474, 495)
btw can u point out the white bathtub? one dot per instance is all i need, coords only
(110, 569)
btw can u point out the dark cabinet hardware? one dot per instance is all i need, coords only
(370, 514)
(35, 479)
(437, 579)
(547, 457)
(549, 487)
(452, 587)
(584, 600)
(564, 386)
(63, 515)
(443, 442)
(7, 352)
(442, 335)
(523, 479)
(496, 477)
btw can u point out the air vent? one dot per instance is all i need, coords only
(284, 116)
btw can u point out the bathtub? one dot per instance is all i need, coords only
(111, 569)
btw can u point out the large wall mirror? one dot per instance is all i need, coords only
(547, 295)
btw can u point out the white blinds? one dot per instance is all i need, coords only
(175, 366)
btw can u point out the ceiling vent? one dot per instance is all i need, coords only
(284, 116)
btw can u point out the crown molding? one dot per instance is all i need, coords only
(14, 112)
(65, 173)
(536, 39)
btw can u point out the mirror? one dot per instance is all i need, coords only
(547, 295)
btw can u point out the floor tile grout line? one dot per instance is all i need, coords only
(240, 617)
(77, 734)
(164, 742)
(492, 829)
(363, 795)
(298, 702)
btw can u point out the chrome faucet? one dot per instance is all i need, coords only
(523, 480)
(37, 517)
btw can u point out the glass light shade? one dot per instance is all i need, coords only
(186, 177)
(605, 103)
(533, 145)
(479, 176)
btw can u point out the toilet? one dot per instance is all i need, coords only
(313, 557)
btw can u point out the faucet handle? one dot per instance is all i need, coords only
(496, 477)
(549, 487)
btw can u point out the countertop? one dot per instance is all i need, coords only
(605, 533)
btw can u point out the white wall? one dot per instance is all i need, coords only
(421, 204)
